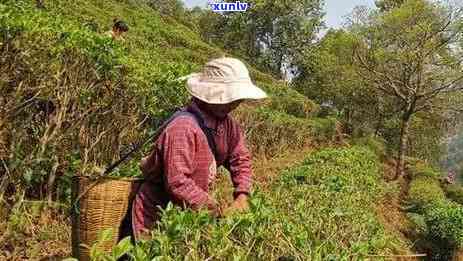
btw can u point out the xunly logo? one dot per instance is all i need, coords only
(229, 7)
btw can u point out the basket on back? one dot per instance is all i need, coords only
(101, 206)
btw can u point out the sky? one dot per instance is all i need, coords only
(335, 9)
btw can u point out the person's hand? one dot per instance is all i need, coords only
(214, 209)
(143, 163)
(240, 205)
(217, 212)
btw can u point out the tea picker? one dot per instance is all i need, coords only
(182, 166)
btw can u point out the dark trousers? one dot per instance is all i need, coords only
(126, 229)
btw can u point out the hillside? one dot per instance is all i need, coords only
(72, 99)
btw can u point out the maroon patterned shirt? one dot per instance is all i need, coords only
(181, 167)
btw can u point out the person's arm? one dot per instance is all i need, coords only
(239, 162)
(179, 148)
(239, 166)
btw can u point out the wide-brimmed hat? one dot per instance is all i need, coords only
(223, 81)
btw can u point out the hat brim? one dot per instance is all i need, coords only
(223, 92)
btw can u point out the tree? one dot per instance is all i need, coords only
(272, 34)
(174, 8)
(409, 54)
(328, 76)
(386, 5)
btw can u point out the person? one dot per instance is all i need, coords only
(451, 177)
(120, 27)
(40, 4)
(182, 165)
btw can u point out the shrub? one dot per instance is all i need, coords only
(445, 222)
(298, 106)
(323, 129)
(342, 170)
(443, 219)
(418, 168)
(376, 144)
(290, 101)
(270, 132)
(425, 191)
(341, 186)
(454, 192)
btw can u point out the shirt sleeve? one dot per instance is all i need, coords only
(179, 145)
(239, 161)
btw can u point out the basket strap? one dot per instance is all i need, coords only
(111, 167)
(208, 132)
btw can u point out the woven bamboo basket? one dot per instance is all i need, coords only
(100, 206)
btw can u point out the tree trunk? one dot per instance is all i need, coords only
(51, 182)
(379, 123)
(403, 145)
(458, 255)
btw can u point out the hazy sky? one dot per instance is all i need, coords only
(335, 9)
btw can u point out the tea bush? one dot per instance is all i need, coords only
(270, 131)
(290, 102)
(322, 209)
(418, 168)
(376, 144)
(425, 191)
(454, 192)
(441, 220)
(445, 222)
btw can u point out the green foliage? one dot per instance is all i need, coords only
(419, 169)
(387, 5)
(363, 71)
(410, 35)
(425, 191)
(329, 76)
(452, 158)
(341, 186)
(347, 164)
(419, 224)
(269, 34)
(426, 133)
(168, 7)
(454, 192)
(288, 100)
(129, 169)
(270, 131)
(105, 93)
(445, 221)
(122, 248)
(375, 144)
(296, 105)
(437, 219)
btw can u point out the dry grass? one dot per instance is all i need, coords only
(33, 231)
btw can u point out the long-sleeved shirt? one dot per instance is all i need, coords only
(181, 167)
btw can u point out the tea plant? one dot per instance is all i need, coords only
(320, 210)
(437, 219)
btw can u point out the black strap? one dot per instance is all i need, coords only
(209, 132)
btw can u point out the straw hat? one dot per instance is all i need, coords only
(223, 81)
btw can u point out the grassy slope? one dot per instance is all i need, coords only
(160, 48)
